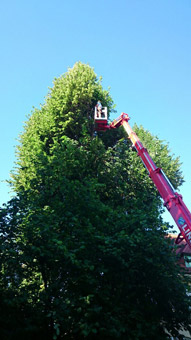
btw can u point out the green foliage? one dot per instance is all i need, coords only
(84, 252)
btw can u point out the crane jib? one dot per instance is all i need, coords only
(172, 200)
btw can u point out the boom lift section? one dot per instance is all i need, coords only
(172, 200)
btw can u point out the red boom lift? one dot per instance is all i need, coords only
(172, 200)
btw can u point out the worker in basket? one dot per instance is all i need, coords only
(99, 109)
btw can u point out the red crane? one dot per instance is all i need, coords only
(172, 200)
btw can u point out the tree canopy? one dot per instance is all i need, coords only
(84, 252)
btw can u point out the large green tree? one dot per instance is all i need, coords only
(84, 248)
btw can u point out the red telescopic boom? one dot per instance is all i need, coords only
(172, 200)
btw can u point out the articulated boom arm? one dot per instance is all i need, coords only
(172, 200)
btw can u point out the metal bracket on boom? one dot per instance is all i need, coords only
(179, 239)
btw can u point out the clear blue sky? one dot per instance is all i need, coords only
(142, 48)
